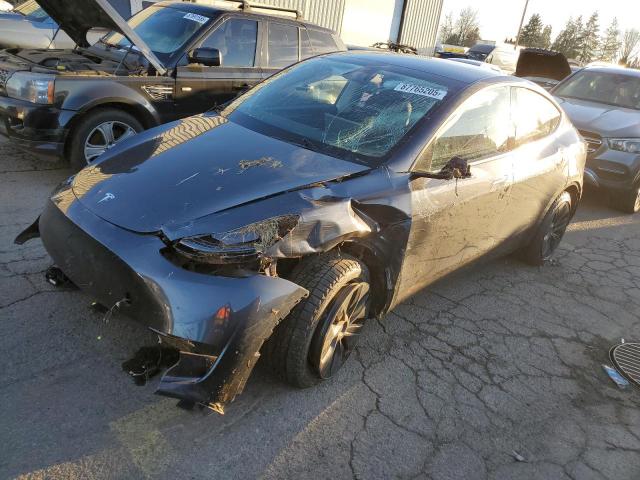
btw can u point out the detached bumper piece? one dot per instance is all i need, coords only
(218, 324)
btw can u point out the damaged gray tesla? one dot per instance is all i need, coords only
(325, 196)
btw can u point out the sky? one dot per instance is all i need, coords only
(499, 19)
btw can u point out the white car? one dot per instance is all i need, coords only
(5, 6)
(29, 26)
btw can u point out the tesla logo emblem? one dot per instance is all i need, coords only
(107, 196)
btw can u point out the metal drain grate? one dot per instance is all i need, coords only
(626, 359)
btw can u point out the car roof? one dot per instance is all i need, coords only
(630, 72)
(458, 71)
(203, 9)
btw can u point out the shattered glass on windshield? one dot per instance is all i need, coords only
(332, 103)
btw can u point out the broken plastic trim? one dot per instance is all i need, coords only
(29, 233)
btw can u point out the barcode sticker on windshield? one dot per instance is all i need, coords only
(420, 90)
(196, 18)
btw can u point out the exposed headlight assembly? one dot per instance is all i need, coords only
(32, 87)
(629, 145)
(242, 245)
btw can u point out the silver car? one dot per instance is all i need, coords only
(29, 26)
(604, 105)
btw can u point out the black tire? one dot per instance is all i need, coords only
(627, 202)
(292, 349)
(550, 232)
(87, 127)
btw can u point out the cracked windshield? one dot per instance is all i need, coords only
(361, 109)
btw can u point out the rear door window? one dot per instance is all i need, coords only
(322, 42)
(283, 45)
(236, 41)
(534, 116)
(481, 128)
(306, 50)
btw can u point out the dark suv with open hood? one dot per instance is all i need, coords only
(170, 61)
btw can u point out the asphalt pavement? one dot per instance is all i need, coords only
(491, 373)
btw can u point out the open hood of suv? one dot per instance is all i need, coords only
(536, 62)
(77, 17)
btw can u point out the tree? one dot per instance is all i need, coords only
(589, 40)
(467, 26)
(630, 42)
(546, 37)
(531, 35)
(610, 43)
(447, 29)
(569, 40)
(472, 38)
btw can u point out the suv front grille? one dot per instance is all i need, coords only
(594, 141)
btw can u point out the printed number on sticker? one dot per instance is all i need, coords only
(419, 90)
(196, 18)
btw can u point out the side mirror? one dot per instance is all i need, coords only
(456, 168)
(210, 57)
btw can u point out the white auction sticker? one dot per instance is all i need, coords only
(196, 18)
(420, 90)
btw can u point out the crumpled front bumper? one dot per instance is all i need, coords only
(218, 323)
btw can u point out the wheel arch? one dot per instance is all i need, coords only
(575, 190)
(139, 112)
(378, 272)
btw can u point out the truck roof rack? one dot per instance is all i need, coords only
(246, 6)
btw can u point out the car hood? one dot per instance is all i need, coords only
(534, 62)
(177, 173)
(605, 120)
(10, 15)
(77, 17)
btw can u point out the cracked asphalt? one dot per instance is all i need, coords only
(498, 362)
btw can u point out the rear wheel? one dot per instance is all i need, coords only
(627, 201)
(316, 339)
(550, 232)
(98, 132)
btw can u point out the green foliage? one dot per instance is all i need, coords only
(610, 43)
(531, 35)
(589, 43)
(569, 40)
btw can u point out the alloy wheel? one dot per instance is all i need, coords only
(105, 136)
(559, 224)
(337, 333)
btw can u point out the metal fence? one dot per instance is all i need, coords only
(327, 13)
(420, 25)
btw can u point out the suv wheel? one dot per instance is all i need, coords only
(316, 339)
(628, 202)
(98, 132)
(550, 232)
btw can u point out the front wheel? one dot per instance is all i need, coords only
(550, 232)
(316, 339)
(99, 131)
(627, 201)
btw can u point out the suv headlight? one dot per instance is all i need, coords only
(32, 87)
(242, 245)
(629, 145)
